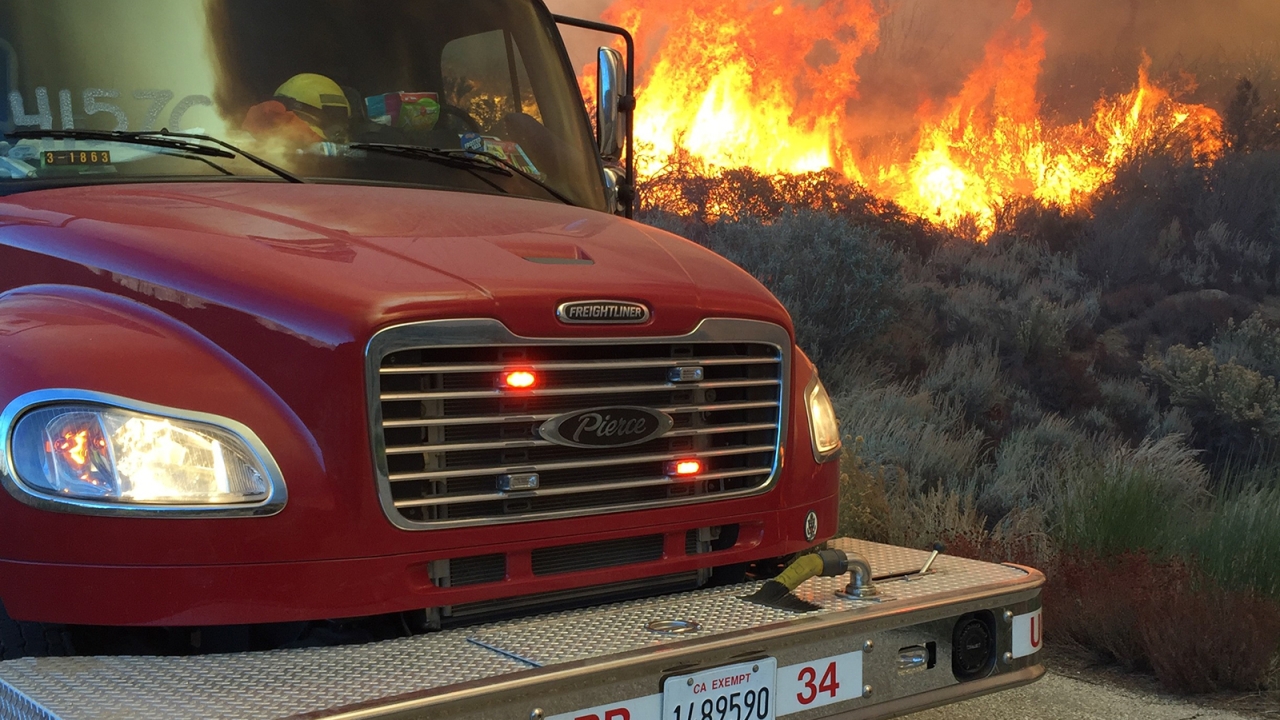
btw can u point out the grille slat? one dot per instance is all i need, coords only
(519, 444)
(591, 365)
(554, 392)
(575, 489)
(449, 433)
(581, 464)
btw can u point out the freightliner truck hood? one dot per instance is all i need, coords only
(256, 302)
(332, 263)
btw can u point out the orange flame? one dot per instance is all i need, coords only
(743, 83)
(770, 86)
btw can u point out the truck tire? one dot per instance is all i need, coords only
(26, 639)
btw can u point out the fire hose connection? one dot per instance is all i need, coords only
(778, 592)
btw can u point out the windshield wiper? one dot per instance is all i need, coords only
(161, 139)
(465, 159)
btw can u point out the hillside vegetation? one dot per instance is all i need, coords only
(1094, 393)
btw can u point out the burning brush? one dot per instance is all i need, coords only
(777, 593)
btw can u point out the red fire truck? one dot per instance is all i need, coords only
(333, 384)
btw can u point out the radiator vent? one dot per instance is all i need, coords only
(475, 570)
(597, 555)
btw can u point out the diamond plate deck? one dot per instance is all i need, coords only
(884, 559)
(318, 681)
(582, 634)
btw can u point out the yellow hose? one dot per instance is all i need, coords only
(797, 572)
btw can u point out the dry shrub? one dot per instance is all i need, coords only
(905, 430)
(882, 504)
(1202, 638)
(1096, 603)
(1019, 538)
(686, 187)
(838, 279)
(969, 376)
(1165, 616)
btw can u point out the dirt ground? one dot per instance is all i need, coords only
(1075, 690)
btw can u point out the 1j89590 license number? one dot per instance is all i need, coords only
(745, 691)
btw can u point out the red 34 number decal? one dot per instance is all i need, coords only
(819, 683)
(810, 691)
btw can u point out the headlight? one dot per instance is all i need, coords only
(104, 456)
(823, 426)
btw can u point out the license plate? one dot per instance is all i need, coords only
(745, 691)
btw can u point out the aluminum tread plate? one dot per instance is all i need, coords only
(285, 683)
(884, 559)
(582, 634)
(250, 685)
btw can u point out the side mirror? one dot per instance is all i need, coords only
(610, 128)
(615, 179)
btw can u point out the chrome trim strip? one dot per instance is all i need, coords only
(587, 390)
(571, 490)
(277, 494)
(572, 465)
(489, 332)
(584, 365)
(501, 419)
(522, 444)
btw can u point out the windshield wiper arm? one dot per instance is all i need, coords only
(161, 139)
(469, 159)
(422, 153)
(260, 162)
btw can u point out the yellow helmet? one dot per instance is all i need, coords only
(320, 102)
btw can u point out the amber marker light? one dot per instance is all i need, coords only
(519, 379)
(684, 468)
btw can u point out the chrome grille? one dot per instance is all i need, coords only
(445, 433)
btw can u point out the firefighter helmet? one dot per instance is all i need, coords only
(320, 102)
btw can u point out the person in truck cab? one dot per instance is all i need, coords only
(308, 108)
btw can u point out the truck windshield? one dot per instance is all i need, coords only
(329, 90)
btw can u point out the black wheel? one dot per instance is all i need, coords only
(27, 639)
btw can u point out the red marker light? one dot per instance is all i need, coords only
(684, 468)
(519, 379)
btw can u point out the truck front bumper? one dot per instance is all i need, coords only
(852, 658)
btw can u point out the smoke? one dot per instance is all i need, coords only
(1092, 48)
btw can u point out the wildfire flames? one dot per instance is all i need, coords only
(773, 86)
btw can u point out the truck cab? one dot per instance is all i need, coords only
(319, 310)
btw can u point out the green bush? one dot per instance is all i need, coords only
(1239, 544)
(1139, 499)
(1253, 343)
(1235, 410)
(839, 281)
